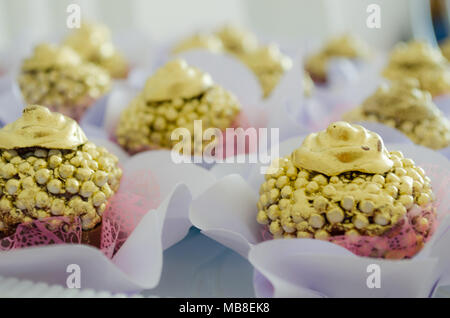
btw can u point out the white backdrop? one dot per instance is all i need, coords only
(286, 20)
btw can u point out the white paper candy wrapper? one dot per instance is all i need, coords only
(313, 268)
(137, 264)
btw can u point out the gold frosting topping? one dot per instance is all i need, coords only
(237, 40)
(175, 80)
(340, 148)
(92, 41)
(422, 61)
(38, 127)
(268, 58)
(204, 41)
(48, 55)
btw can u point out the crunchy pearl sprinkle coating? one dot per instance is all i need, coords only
(303, 203)
(300, 201)
(37, 183)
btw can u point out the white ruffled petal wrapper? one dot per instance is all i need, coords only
(313, 268)
(137, 264)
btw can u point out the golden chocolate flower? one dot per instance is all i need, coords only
(93, 43)
(404, 106)
(299, 200)
(237, 40)
(174, 97)
(340, 148)
(58, 78)
(345, 46)
(49, 168)
(209, 42)
(269, 65)
(420, 60)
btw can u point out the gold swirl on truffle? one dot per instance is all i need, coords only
(420, 60)
(404, 106)
(38, 127)
(176, 80)
(344, 46)
(93, 42)
(343, 147)
(48, 56)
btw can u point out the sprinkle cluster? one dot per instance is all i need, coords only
(145, 125)
(301, 203)
(38, 183)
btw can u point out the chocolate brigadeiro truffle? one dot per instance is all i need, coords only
(175, 96)
(58, 78)
(49, 168)
(345, 46)
(343, 181)
(404, 106)
(422, 61)
(93, 43)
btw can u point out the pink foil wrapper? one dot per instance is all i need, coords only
(123, 213)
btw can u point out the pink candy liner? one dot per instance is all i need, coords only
(138, 194)
(404, 239)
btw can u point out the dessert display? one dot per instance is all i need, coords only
(404, 106)
(422, 61)
(342, 185)
(174, 97)
(48, 168)
(58, 78)
(345, 46)
(269, 66)
(93, 43)
(208, 42)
